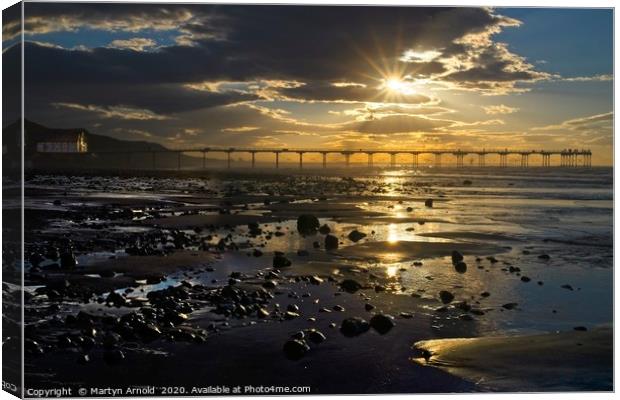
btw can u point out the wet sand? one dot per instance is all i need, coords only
(206, 279)
(563, 361)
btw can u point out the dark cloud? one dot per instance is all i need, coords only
(314, 45)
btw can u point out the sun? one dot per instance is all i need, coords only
(396, 85)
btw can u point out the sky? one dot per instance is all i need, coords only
(322, 77)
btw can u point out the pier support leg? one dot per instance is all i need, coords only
(369, 160)
(204, 160)
(438, 160)
(393, 160)
(481, 160)
(414, 160)
(253, 159)
(347, 159)
(301, 160)
(277, 160)
(228, 160)
(324, 160)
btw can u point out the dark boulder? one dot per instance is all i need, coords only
(279, 261)
(382, 323)
(446, 297)
(429, 203)
(350, 285)
(307, 224)
(295, 349)
(354, 326)
(331, 242)
(356, 236)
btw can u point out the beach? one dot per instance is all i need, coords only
(347, 281)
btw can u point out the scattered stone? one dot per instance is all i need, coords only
(262, 313)
(279, 261)
(510, 306)
(382, 323)
(307, 224)
(525, 279)
(369, 307)
(580, 328)
(354, 326)
(406, 315)
(113, 356)
(356, 236)
(331, 242)
(257, 253)
(315, 280)
(295, 349)
(350, 285)
(460, 267)
(567, 286)
(485, 294)
(338, 308)
(324, 229)
(544, 257)
(456, 257)
(316, 336)
(429, 203)
(446, 297)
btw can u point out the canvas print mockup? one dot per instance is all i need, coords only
(221, 199)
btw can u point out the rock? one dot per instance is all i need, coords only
(83, 359)
(291, 315)
(338, 308)
(307, 224)
(485, 294)
(429, 203)
(460, 267)
(279, 261)
(510, 306)
(467, 182)
(406, 315)
(68, 260)
(544, 257)
(262, 313)
(456, 257)
(257, 253)
(324, 229)
(466, 317)
(270, 284)
(303, 253)
(525, 279)
(315, 280)
(354, 326)
(111, 339)
(113, 356)
(293, 307)
(331, 242)
(580, 328)
(149, 332)
(356, 236)
(295, 349)
(568, 287)
(350, 285)
(409, 209)
(369, 307)
(116, 299)
(382, 323)
(316, 336)
(107, 274)
(446, 297)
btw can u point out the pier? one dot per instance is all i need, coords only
(572, 158)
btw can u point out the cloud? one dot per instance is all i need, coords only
(135, 44)
(499, 109)
(120, 111)
(593, 123)
(593, 78)
(241, 129)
